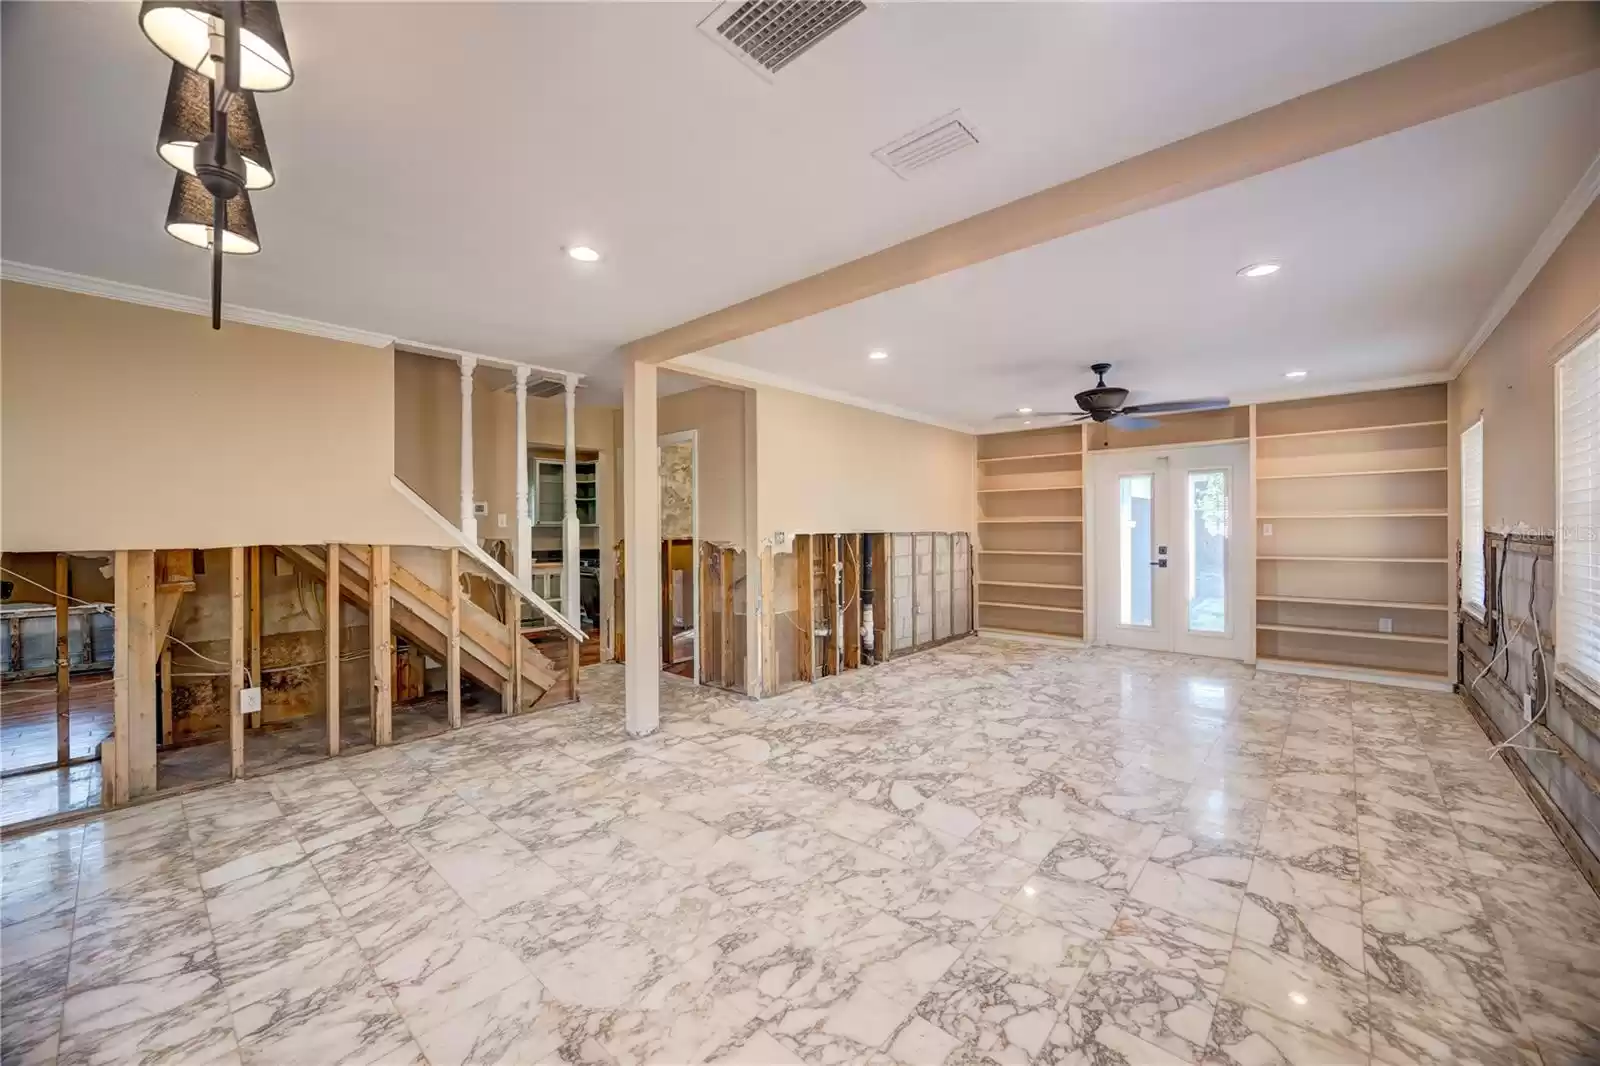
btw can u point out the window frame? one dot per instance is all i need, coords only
(1570, 676)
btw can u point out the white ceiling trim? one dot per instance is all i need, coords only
(48, 278)
(189, 305)
(737, 374)
(1566, 216)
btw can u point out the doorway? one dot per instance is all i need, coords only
(1172, 531)
(680, 548)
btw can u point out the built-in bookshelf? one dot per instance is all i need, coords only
(1353, 535)
(1030, 532)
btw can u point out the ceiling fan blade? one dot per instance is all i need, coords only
(1078, 415)
(1173, 407)
(1127, 421)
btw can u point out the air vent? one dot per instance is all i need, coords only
(541, 388)
(922, 148)
(768, 35)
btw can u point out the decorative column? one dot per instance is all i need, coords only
(524, 539)
(469, 520)
(571, 571)
(641, 532)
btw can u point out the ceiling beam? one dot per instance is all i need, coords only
(1546, 45)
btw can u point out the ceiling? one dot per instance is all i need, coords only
(1392, 251)
(435, 159)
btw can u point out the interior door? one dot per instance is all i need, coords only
(1172, 570)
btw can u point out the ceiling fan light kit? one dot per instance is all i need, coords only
(1108, 404)
(222, 52)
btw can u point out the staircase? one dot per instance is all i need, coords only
(421, 614)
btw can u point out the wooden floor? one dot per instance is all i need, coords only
(28, 719)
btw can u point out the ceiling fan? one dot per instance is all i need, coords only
(1104, 403)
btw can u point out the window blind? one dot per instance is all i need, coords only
(1578, 517)
(1472, 518)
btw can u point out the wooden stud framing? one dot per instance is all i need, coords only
(236, 655)
(382, 644)
(333, 610)
(667, 606)
(767, 626)
(574, 668)
(851, 612)
(452, 666)
(255, 631)
(710, 665)
(805, 608)
(166, 696)
(830, 599)
(882, 589)
(728, 620)
(63, 664)
(511, 700)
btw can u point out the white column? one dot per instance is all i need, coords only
(570, 542)
(523, 542)
(641, 531)
(469, 521)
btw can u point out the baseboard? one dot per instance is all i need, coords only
(1355, 673)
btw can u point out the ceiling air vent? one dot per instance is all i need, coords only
(539, 388)
(768, 35)
(922, 148)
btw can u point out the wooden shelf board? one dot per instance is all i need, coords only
(1032, 607)
(1343, 559)
(1356, 514)
(1039, 488)
(1028, 584)
(1323, 664)
(1013, 551)
(1354, 473)
(1036, 520)
(1020, 458)
(1325, 631)
(1350, 429)
(1397, 605)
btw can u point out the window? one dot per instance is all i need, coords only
(1472, 597)
(1208, 551)
(1578, 512)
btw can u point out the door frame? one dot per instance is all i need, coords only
(1242, 537)
(693, 437)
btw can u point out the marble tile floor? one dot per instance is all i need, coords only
(991, 852)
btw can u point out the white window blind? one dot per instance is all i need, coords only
(1472, 518)
(1578, 517)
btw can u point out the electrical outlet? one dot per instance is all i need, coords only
(250, 701)
(1266, 529)
(1386, 625)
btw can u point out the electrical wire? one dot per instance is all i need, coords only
(1505, 645)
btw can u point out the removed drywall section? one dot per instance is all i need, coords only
(677, 490)
(825, 465)
(191, 436)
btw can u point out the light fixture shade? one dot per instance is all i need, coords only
(189, 218)
(182, 29)
(186, 121)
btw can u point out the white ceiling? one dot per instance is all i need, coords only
(434, 159)
(1392, 252)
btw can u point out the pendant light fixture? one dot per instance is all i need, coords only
(222, 51)
(186, 121)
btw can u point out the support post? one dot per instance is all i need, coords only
(255, 631)
(728, 620)
(333, 611)
(523, 542)
(469, 520)
(571, 544)
(382, 649)
(137, 610)
(452, 666)
(63, 664)
(511, 697)
(574, 668)
(641, 523)
(236, 653)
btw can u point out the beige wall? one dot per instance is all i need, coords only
(826, 467)
(1511, 381)
(717, 416)
(125, 426)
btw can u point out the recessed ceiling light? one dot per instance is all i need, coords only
(583, 253)
(1027, 421)
(879, 354)
(1024, 410)
(1295, 375)
(1260, 270)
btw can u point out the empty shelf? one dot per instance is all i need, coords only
(1018, 458)
(1039, 488)
(1428, 513)
(1036, 520)
(1326, 631)
(1028, 584)
(1032, 607)
(1335, 602)
(1355, 473)
(1326, 664)
(1349, 429)
(1342, 559)
(1013, 551)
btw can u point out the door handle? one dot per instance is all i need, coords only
(1161, 563)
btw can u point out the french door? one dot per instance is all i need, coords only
(1172, 549)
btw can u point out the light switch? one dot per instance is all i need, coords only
(1266, 529)
(500, 520)
(1386, 625)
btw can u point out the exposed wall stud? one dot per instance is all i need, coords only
(333, 612)
(236, 656)
(453, 653)
(255, 632)
(63, 663)
(382, 647)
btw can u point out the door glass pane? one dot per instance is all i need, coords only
(1208, 551)
(1135, 549)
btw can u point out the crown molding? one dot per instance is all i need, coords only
(189, 305)
(1566, 216)
(735, 374)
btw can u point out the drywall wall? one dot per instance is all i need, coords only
(124, 427)
(1511, 382)
(716, 414)
(825, 467)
